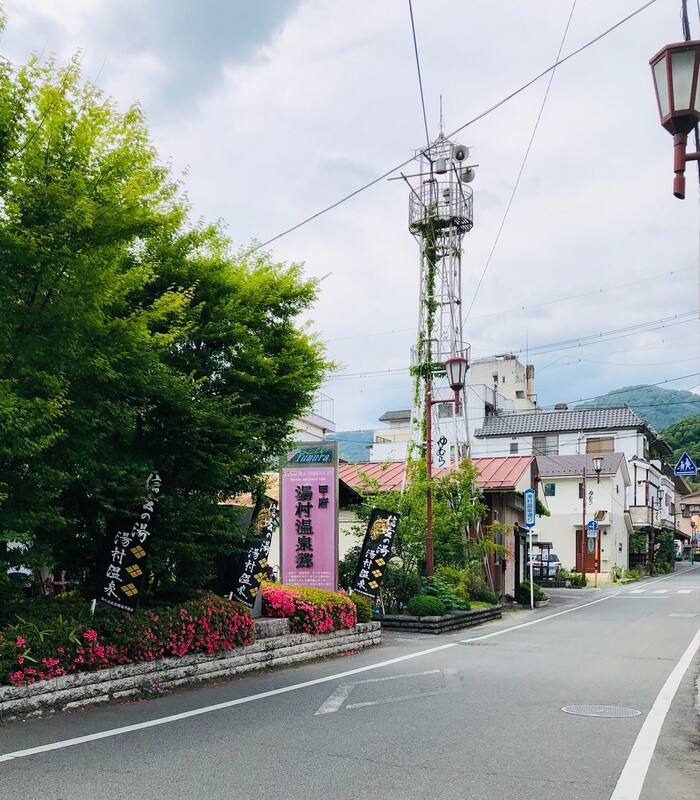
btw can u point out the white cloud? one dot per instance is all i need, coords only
(294, 112)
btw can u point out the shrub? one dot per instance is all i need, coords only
(577, 580)
(523, 594)
(447, 594)
(364, 607)
(48, 644)
(486, 596)
(309, 610)
(424, 605)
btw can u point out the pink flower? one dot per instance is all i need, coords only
(20, 642)
(90, 635)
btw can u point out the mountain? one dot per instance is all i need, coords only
(684, 437)
(352, 445)
(659, 407)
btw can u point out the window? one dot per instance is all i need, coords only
(549, 489)
(520, 394)
(497, 558)
(617, 488)
(545, 445)
(444, 410)
(513, 447)
(580, 491)
(600, 444)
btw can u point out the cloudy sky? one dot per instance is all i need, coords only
(278, 108)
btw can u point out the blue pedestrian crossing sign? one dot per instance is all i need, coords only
(685, 466)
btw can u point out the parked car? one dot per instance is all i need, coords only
(547, 567)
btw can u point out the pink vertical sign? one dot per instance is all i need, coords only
(309, 516)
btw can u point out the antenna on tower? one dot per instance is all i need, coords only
(442, 122)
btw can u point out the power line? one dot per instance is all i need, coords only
(522, 166)
(478, 117)
(656, 277)
(420, 77)
(603, 336)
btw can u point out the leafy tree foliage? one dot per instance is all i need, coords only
(130, 339)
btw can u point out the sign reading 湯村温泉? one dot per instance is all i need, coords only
(309, 515)
(125, 571)
(253, 564)
(685, 466)
(376, 548)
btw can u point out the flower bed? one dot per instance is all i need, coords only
(49, 644)
(309, 610)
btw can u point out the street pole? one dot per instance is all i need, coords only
(583, 527)
(652, 536)
(429, 559)
(532, 585)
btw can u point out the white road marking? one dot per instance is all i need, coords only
(336, 699)
(341, 694)
(684, 591)
(631, 781)
(385, 700)
(195, 712)
(636, 591)
(660, 591)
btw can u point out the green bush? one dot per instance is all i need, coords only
(447, 594)
(423, 605)
(577, 580)
(347, 567)
(486, 596)
(364, 607)
(523, 594)
(633, 574)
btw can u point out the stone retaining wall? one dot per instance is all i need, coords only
(448, 622)
(272, 649)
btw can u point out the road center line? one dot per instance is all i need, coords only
(44, 748)
(631, 781)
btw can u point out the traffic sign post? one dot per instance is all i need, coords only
(685, 466)
(530, 508)
(592, 529)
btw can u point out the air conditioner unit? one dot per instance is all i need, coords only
(601, 517)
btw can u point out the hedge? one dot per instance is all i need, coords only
(43, 645)
(309, 610)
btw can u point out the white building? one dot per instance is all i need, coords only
(317, 422)
(605, 502)
(651, 494)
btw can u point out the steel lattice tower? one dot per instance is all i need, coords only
(440, 213)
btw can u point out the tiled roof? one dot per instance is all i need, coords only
(494, 473)
(553, 466)
(389, 416)
(577, 419)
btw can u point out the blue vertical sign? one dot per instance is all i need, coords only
(530, 508)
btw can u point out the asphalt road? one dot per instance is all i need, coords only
(476, 714)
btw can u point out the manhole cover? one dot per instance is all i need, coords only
(601, 711)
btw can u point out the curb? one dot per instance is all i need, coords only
(90, 688)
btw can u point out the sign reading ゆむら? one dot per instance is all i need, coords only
(309, 516)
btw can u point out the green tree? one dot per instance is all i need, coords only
(130, 340)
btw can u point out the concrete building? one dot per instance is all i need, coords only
(605, 502)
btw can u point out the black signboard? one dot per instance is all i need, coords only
(375, 552)
(253, 567)
(124, 576)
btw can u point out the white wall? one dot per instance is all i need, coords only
(566, 510)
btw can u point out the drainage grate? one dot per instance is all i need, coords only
(601, 711)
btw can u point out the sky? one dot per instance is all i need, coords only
(279, 108)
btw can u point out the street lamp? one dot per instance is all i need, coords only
(675, 71)
(456, 368)
(597, 468)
